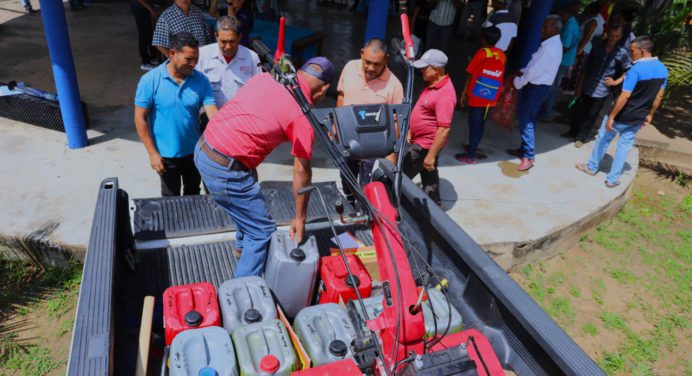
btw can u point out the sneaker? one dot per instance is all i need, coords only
(464, 158)
(525, 164)
(578, 144)
(612, 185)
(147, 67)
(29, 10)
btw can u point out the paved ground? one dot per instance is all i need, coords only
(45, 184)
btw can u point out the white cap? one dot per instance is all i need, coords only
(433, 58)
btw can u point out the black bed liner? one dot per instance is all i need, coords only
(526, 339)
(175, 217)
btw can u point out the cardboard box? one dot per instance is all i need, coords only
(303, 358)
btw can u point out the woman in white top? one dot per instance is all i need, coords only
(592, 27)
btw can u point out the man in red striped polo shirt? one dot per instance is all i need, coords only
(262, 115)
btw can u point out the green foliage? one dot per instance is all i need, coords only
(611, 362)
(613, 320)
(589, 328)
(622, 276)
(30, 362)
(666, 26)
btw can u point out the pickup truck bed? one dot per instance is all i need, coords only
(140, 247)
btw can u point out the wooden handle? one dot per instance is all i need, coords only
(145, 336)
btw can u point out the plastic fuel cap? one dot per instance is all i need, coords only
(193, 318)
(269, 364)
(352, 282)
(252, 316)
(297, 254)
(338, 348)
(207, 371)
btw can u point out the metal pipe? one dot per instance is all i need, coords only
(58, 40)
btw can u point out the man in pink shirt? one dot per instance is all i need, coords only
(430, 121)
(367, 80)
(262, 115)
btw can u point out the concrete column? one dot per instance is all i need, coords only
(376, 26)
(58, 39)
(530, 32)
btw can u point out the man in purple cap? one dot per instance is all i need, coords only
(262, 115)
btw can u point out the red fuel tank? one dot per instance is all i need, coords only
(335, 281)
(189, 307)
(346, 367)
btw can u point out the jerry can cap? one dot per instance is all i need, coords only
(269, 364)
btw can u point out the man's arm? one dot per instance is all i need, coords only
(141, 115)
(164, 51)
(609, 81)
(441, 136)
(340, 100)
(619, 105)
(654, 107)
(462, 97)
(213, 11)
(588, 32)
(302, 177)
(527, 74)
(210, 110)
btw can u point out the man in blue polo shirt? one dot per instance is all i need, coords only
(167, 107)
(642, 92)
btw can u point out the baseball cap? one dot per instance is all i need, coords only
(433, 58)
(327, 68)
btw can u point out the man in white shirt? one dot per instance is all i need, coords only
(534, 82)
(505, 21)
(227, 64)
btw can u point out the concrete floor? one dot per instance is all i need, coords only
(45, 184)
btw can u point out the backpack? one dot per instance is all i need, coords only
(489, 81)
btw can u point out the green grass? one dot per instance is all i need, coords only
(647, 250)
(613, 320)
(29, 291)
(589, 328)
(29, 361)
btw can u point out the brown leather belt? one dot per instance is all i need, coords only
(222, 159)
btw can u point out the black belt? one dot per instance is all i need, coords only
(221, 158)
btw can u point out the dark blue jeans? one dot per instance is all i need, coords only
(238, 193)
(476, 129)
(531, 98)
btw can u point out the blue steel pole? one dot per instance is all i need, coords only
(531, 33)
(58, 39)
(376, 26)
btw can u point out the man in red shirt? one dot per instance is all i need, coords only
(430, 121)
(262, 115)
(482, 89)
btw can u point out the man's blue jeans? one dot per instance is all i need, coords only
(627, 135)
(238, 192)
(530, 99)
(553, 93)
(476, 128)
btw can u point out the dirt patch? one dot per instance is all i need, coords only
(624, 292)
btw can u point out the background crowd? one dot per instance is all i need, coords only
(585, 52)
